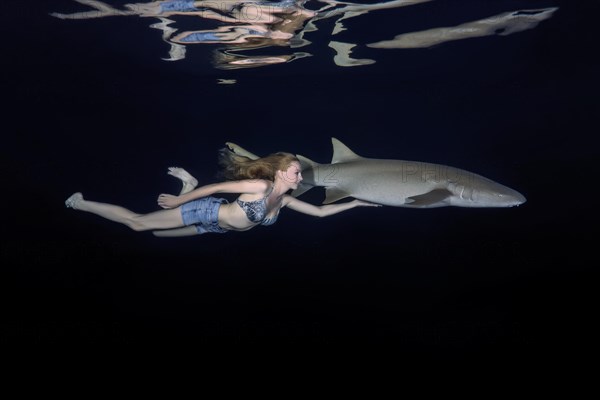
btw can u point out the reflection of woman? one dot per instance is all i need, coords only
(248, 24)
(250, 12)
(252, 19)
(262, 184)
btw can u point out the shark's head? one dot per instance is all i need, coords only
(472, 190)
(493, 194)
(500, 198)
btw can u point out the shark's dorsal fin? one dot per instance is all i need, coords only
(429, 198)
(333, 194)
(341, 152)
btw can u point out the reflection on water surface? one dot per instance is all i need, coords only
(245, 25)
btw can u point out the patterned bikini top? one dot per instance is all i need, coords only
(256, 210)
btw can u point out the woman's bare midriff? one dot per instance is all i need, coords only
(232, 217)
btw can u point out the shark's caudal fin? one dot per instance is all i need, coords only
(240, 151)
(305, 163)
(341, 152)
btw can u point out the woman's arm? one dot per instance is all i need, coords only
(323, 211)
(244, 186)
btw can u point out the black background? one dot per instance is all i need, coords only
(91, 107)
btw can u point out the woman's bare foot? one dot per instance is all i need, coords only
(183, 175)
(72, 201)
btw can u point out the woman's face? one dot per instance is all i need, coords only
(292, 175)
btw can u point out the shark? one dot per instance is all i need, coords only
(398, 183)
(502, 24)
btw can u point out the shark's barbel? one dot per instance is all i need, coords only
(398, 183)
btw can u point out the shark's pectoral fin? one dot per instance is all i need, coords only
(429, 198)
(303, 187)
(334, 194)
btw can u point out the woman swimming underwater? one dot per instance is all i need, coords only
(262, 185)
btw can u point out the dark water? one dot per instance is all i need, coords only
(93, 108)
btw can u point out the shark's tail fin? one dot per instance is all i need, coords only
(306, 164)
(240, 151)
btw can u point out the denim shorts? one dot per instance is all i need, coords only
(204, 214)
(178, 6)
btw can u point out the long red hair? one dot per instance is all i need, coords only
(236, 167)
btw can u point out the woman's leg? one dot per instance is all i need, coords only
(189, 182)
(163, 219)
(178, 232)
(140, 222)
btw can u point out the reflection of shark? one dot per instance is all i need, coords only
(399, 183)
(502, 24)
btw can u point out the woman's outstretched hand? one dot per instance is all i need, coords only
(361, 203)
(168, 201)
